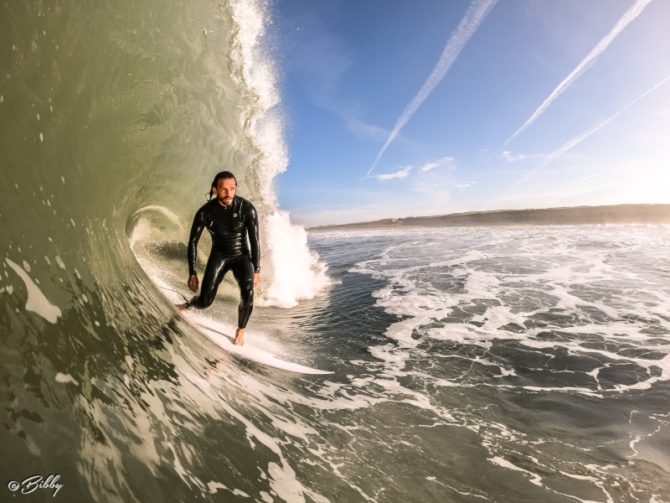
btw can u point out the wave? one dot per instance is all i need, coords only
(115, 117)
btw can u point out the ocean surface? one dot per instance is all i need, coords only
(507, 364)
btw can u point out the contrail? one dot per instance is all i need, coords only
(466, 28)
(569, 145)
(590, 58)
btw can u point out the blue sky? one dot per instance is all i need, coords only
(481, 105)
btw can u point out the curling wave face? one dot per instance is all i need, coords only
(114, 118)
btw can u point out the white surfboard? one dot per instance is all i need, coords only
(218, 334)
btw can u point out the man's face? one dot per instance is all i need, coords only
(225, 190)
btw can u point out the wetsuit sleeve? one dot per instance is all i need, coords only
(194, 237)
(253, 233)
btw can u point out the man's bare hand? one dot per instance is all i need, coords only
(257, 279)
(193, 283)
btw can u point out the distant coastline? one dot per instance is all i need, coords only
(574, 215)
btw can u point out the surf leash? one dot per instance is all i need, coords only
(175, 291)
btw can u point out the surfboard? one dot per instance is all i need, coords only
(220, 335)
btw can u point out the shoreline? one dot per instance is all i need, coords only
(571, 215)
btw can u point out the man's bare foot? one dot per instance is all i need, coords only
(239, 337)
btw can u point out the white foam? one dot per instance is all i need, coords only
(295, 272)
(214, 487)
(36, 301)
(283, 481)
(65, 378)
(534, 477)
(569, 271)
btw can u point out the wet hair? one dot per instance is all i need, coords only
(221, 175)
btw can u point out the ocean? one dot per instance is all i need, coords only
(502, 364)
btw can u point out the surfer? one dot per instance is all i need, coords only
(231, 220)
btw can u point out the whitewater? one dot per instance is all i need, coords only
(469, 364)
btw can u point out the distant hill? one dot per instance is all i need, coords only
(576, 215)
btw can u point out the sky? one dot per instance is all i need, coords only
(408, 108)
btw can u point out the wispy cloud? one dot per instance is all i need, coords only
(437, 163)
(433, 191)
(402, 173)
(511, 157)
(463, 186)
(358, 127)
(590, 58)
(322, 59)
(474, 16)
(570, 144)
(424, 168)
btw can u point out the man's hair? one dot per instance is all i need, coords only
(221, 175)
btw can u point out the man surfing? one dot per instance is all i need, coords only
(232, 223)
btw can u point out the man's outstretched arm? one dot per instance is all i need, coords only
(194, 237)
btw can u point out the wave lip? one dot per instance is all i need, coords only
(294, 270)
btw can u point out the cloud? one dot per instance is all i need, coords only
(572, 143)
(510, 157)
(590, 58)
(463, 186)
(437, 163)
(474, 16)
(424, 168)
(428, 193)
(321, 59)
(402, 173)
(359, 128)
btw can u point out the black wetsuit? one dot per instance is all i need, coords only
(229, 226)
